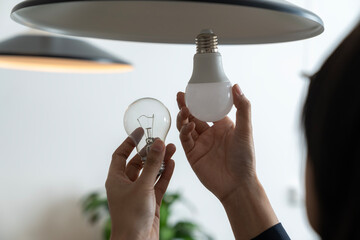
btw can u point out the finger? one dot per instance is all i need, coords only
(200, 126)
(186, 137)
(120, 155)
(182, 117)
(153, 163)
(134, 167)
(180, 98)
(163, 183)
(243, 113)
(170, 150)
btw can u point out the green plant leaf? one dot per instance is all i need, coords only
(188, 238)
(164, 215)
(166, 233)
(95, 204)
(184, 229)
(107, 229)
(186, 225)
(94, 218)
(169, 199)
(89, 199)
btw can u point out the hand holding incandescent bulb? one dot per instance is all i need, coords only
(134, 200)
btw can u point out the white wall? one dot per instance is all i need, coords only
(58, 131)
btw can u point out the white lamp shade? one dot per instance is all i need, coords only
(172, 21)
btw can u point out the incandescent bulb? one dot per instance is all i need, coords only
(208, 94)
(151, 115)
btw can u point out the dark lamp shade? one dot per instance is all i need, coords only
(57, 54)
(172, 21)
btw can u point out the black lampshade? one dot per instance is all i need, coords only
(172, 21)
(59, 54)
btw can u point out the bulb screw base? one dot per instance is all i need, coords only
(206, 42)
(143, 154)
(162, 168)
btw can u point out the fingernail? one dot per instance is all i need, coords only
(137, 135)
(157, 146)
(238, 90)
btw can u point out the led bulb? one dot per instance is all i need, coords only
(208, 94)
(151, 115)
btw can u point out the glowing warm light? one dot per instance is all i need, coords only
(48, 64)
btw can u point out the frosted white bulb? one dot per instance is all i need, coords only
(209, 92)
(151, 115)
(209, 102)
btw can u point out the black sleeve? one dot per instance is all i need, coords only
(276, 232)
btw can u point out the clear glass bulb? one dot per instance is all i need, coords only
(209, 92)
(151, 115)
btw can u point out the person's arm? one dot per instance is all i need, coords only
(249, 210)
(223, 158)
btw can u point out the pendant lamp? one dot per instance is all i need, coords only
(50, 53)
(172, 21)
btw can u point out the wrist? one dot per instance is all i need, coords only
(124, 231)
(249, 210)
(124, 236)
(241, 191)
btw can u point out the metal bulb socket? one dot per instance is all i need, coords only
(206, 42)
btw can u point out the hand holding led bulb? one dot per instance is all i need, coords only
(223, 158)
(221, 155)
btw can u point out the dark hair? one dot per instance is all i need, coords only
(331, 119)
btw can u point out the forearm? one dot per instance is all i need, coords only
(127, 229)
(249, 210)
(125, 235)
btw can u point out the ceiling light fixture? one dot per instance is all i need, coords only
(172, 21)
(50, 53)
(208, 94)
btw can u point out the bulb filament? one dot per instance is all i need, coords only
(147, 123)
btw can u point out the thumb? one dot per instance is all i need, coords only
(153, 162)
(243, 113)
